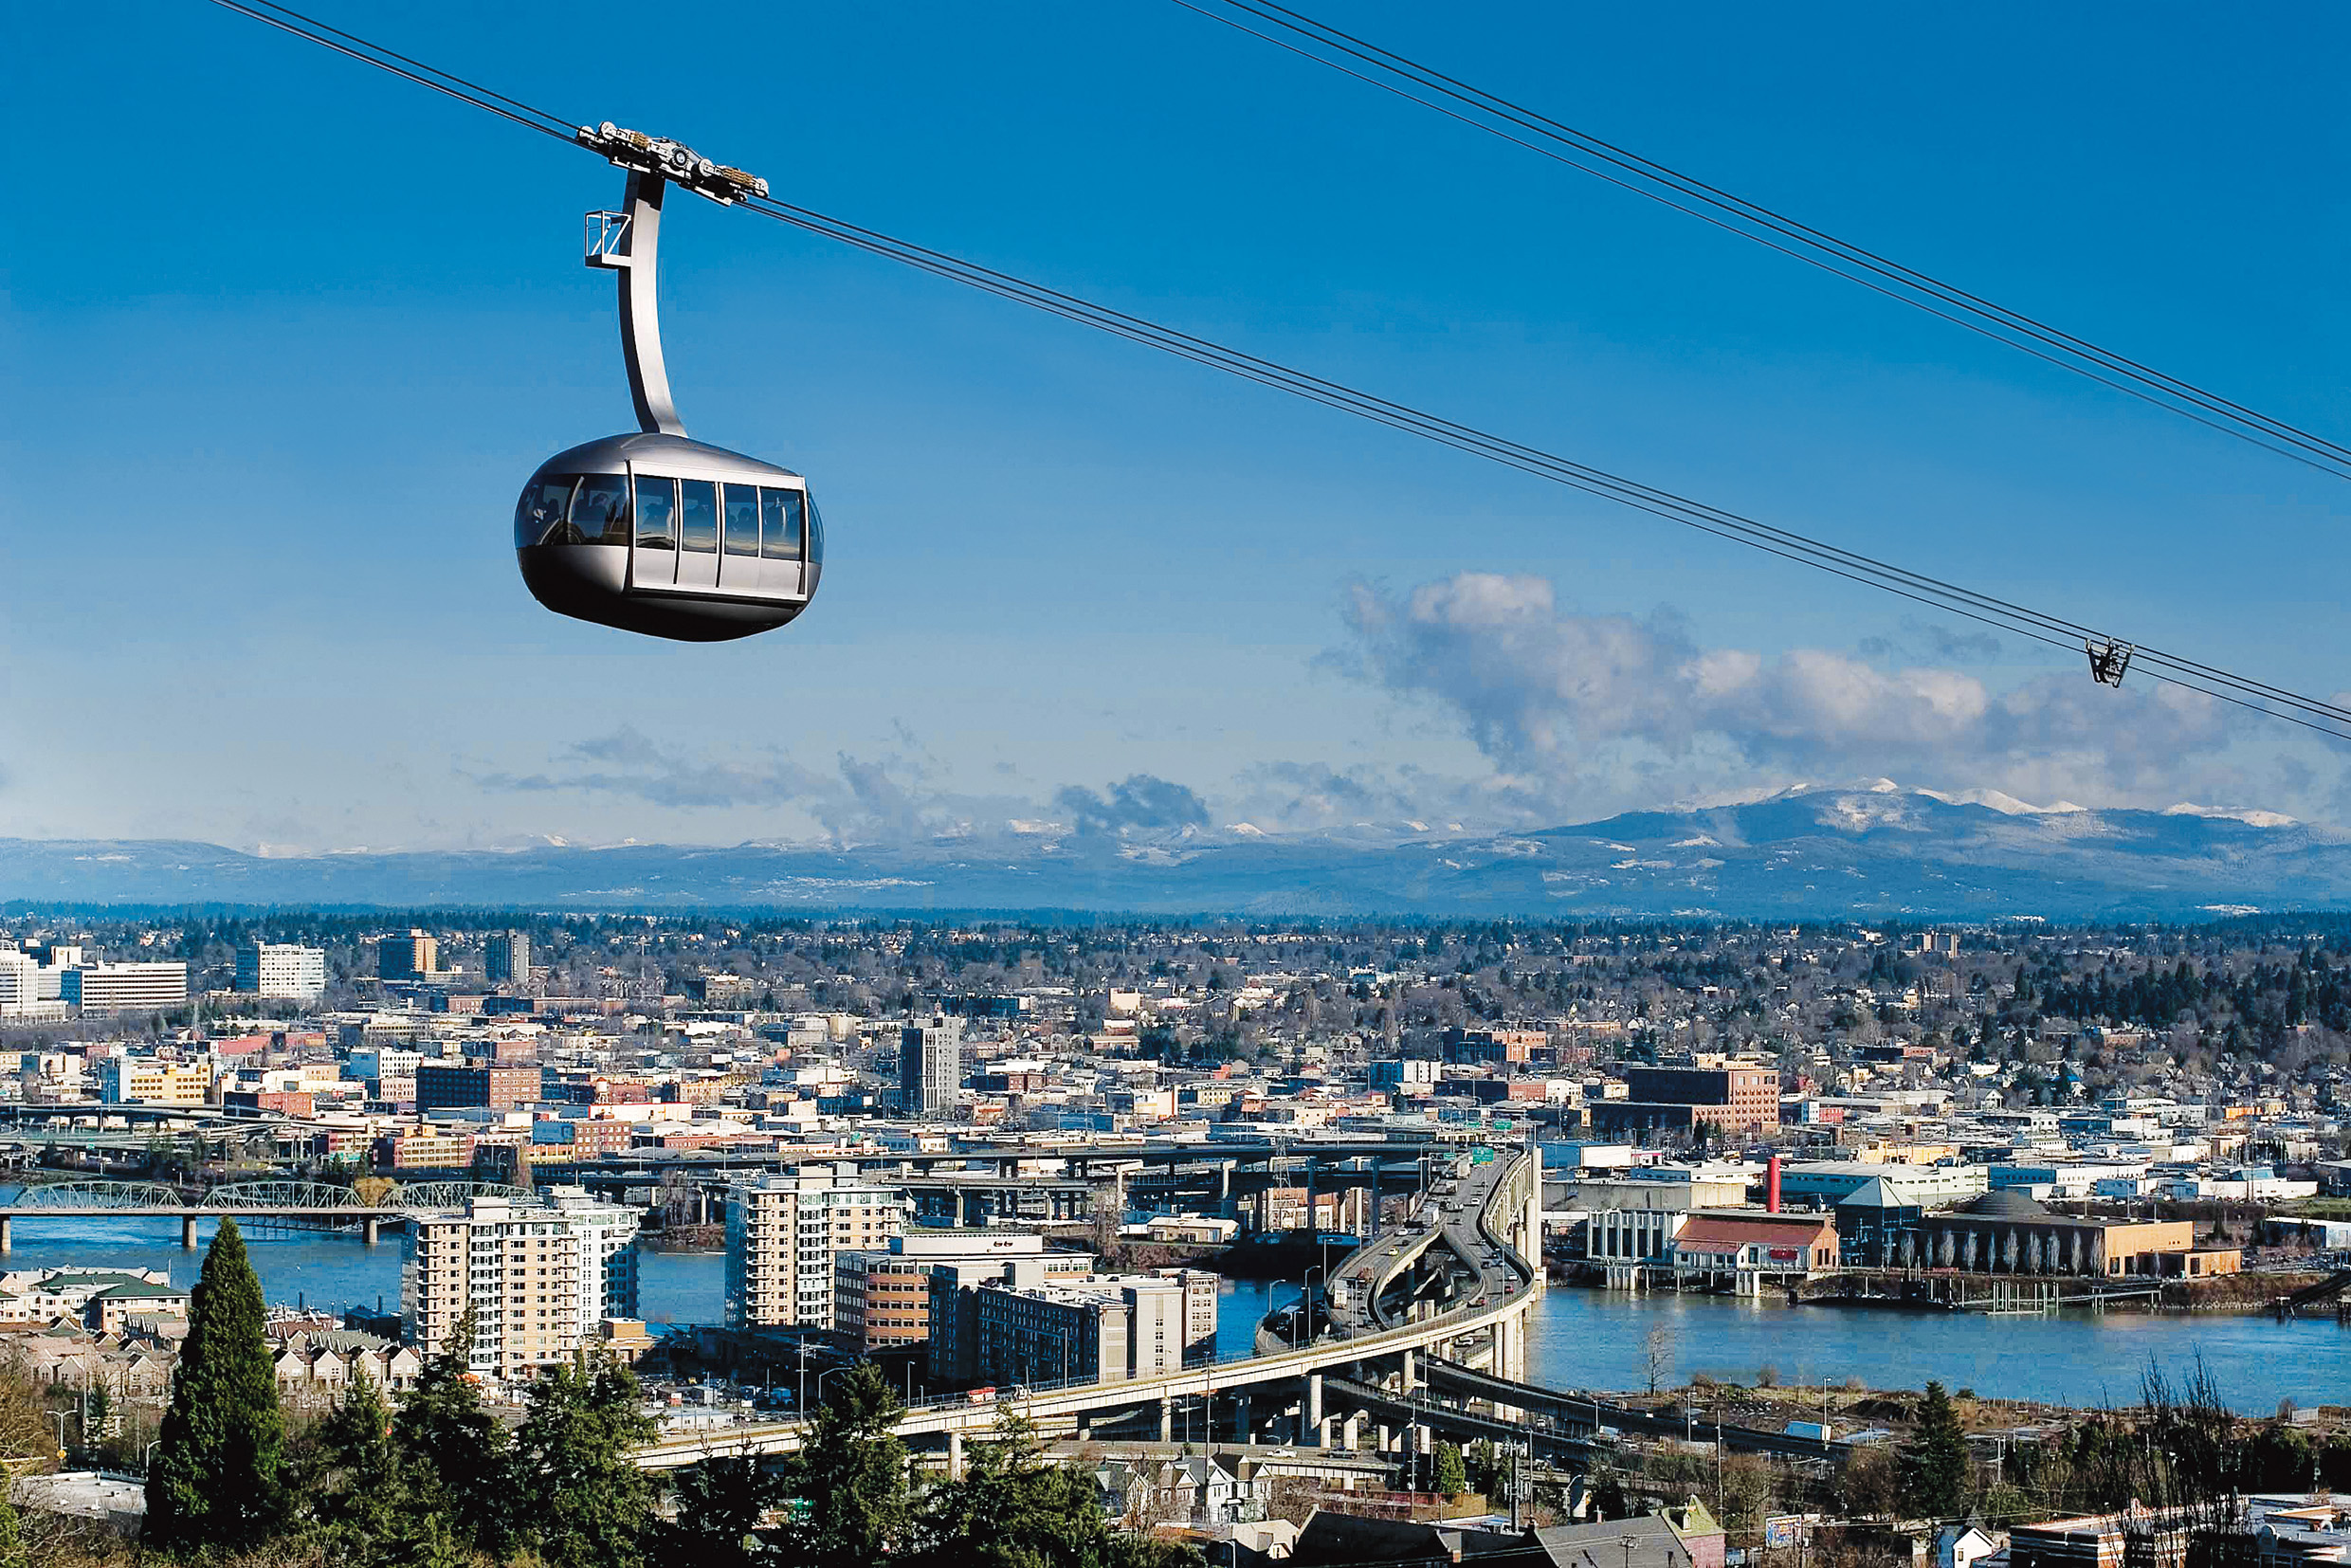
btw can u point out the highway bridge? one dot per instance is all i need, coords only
(1493, 1275)
(980, 1185)
(308, 1202)
(1580, 1415)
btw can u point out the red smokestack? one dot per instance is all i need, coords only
(1771, 1186)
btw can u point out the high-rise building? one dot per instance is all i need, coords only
(539, 1277)
(784, 1232)
(414, 956)
(930, 1066)
(122, 988)
(506, 958)
(24, 987)
(282, 969)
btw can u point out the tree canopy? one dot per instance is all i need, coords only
(215, 1477)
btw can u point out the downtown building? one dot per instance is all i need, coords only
(414, 956)
(125, 988)
(27, 989)
(541, 1277)
(784, 1233)
(930, 1066)
(281, 969)
(506, 958)
(145, 1080)
(1736, 1099)
(442, 1086)
(883, 1298)
(1098, 1328)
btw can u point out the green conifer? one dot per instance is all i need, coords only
(1935, 1469)
(215, 1479)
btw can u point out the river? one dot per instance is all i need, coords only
(1577, 1339)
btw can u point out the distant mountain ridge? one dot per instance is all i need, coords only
(1870, 850)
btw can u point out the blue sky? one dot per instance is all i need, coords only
(284, 335)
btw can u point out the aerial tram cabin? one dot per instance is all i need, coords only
(652, 531)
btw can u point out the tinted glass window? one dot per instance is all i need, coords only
(541, 509)
(779, 524)
(697, 514)
(600, 511)
(816, 533)
(743, 519)
(657, 513)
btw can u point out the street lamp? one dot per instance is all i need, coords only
(820, 1381)
(1305, 1297)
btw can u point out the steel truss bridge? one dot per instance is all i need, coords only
(306, 1203)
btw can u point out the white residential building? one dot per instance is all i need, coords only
(281, 969)
(783, 1233)
(539, 1277)
(27, 989)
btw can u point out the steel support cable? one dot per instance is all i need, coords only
(1490, 112)
(382, 59)
(1784, 543)
(1840, 563)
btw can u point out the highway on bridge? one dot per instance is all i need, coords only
(1500, 1200)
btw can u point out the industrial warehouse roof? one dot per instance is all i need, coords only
(1739, 1229)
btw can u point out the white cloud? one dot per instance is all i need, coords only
(1592, 712)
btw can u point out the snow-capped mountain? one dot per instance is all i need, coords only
(1872, 849)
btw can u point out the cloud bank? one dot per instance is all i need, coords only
(1576, 708)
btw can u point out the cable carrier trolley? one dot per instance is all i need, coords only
(651, 531)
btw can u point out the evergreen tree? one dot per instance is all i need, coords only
(452, 1454)
(1453, 1477)
(13, 1551)
(351, 1484)
(1934, 1463)
(1483, 1465)
(851, 1472)
(1014, 1509)
(589, 1504)
(215, 1479)
(718, 1502)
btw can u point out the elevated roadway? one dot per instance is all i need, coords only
(1580, 1415)
(314, 1203)
(1499, 1207)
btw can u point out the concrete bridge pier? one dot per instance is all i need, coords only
(1409, 1384)
(954, 1456)
(1322, 1438)
(5, 1243)
(187, 1232)
(1386, 1439)
(368, 1228)
(1167, 1419)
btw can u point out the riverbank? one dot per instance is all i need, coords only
(2010, 1294)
